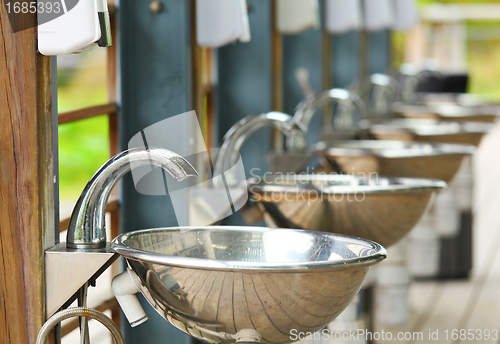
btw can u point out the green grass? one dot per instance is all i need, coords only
(83, 148)
(483, 60)
(83, 145)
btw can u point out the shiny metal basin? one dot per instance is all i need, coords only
(380, 209)
(215, 282)
(393, 158)
(428, 130)
(449, 112)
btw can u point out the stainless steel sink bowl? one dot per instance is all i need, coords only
(215, 282)
(428, 130)
(449, 112)
(393, 158)
(380, 209)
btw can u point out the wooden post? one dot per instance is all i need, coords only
(277, 139)
(26, 178)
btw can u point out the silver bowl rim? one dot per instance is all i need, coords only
(407, 185)
(449, 110)
(427, 126)
(118, 245)
(335, 148)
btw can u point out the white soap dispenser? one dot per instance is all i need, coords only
(72, 27)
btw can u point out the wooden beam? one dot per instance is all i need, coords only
(26, 177)
(113, 143)
(76, 115)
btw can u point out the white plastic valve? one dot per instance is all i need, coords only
(125, 286)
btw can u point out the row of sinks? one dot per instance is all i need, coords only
(255, 285)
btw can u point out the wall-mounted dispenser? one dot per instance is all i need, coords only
(379, 14)
(342, 15)
(72, 26)
(220, 22)
(295, 16)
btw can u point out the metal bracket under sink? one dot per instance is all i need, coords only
(67, 270)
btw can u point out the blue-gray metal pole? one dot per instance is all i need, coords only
(245, 86)
(154, 83)
(379, 51)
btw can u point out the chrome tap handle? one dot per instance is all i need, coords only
(86, 228)
(302, 77)
(379, 90)
(412, 76)
(241, 131)
(308, 107)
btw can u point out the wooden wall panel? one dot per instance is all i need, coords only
(26, 179)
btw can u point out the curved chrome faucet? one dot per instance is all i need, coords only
(86, 228)
(413, 75)
(308, 107)
(380, 90)
(241, 131)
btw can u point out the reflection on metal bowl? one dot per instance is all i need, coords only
(428, 130)
(217, 282)
(449, 112)
(380, 209)
(393, 158)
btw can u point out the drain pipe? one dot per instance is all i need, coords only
(125, 286)
(245, 336)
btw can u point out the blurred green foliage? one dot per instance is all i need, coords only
(83, 145)
(483, 60)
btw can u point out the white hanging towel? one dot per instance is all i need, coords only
(342, 15)
(406, 14)
(379, 14)
(295, 16)
(220, 22)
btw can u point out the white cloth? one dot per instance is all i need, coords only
(295, 16)
(379, 14)
(220, 22)
(406, 14)
(342, 15)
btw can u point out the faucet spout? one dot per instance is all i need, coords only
(87, 228)
(412, 77)
(241, 131)
(379, 91)
(308, 107)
